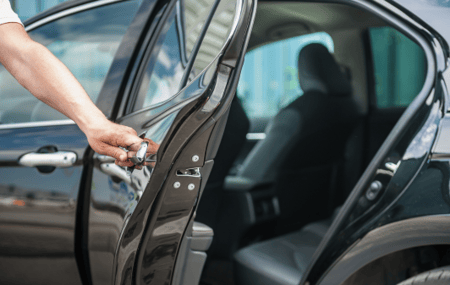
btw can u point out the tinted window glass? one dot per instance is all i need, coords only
(399, 67)
(164, 70)
(167, 63)
(85, 42)
(215, 37)
(269, 78)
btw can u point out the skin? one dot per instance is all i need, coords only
(49, 80)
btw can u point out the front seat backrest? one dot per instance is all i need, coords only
(306, 140)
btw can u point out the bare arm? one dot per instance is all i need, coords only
(49, 80)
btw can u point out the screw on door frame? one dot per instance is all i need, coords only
(374, 190)
(176, 185)
(195, 158)
(191, 186)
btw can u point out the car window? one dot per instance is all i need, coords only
(166, 66)
(85, 42)
(269, 77)
(399, 67)
(215, 36)
(195, 14)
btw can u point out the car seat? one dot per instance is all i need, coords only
(302, 154)
(304, 146)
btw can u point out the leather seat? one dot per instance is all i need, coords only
(305, 142)
(306, 145)
(280, 261)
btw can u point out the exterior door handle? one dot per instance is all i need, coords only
(115, 170)
(55, 159)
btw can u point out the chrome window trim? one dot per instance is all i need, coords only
(69, 12)
(37, 124)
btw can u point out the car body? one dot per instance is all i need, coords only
(92, 223)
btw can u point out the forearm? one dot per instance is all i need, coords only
(39, 71)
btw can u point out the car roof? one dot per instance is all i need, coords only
(277, 20)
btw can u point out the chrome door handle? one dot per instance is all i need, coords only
(55, 159)
(115, 170)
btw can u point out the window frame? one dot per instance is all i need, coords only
(149, 53)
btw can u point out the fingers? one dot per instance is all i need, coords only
(152, 146)
(129, 140)
(115, 152)
(124, 163)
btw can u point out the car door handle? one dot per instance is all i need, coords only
(115, 170)
(55, 159)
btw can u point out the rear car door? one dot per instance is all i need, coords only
(42, 152)
(178, 94)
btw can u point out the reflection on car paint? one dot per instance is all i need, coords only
(113, 200)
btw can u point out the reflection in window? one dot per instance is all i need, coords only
(216, 35)
(195, 14)
(85, 42)
(269, 78)
(167, 64)
(164, 73)
(399, 67)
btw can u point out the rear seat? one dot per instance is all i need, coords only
(282, 260)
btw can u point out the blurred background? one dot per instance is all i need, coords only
(27, 8)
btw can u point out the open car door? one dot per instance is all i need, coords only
(178, 95)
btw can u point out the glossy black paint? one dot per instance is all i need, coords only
(113, 199)
(38, 210)
(403, 196)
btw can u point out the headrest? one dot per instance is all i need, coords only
(319, 71)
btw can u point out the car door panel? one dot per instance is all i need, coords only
(41, 208)
(38, 210)
(166, 126)
(148, 228)
(114, 196)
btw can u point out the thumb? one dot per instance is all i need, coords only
(132, 143)
(116, 152)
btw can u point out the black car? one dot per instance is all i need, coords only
(168, 69)
(331, 162)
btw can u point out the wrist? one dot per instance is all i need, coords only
(92, 123)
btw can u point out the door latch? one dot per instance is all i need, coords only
(189, 172)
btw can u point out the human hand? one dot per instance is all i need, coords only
(106, 137)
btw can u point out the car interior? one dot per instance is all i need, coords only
(322, 86)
